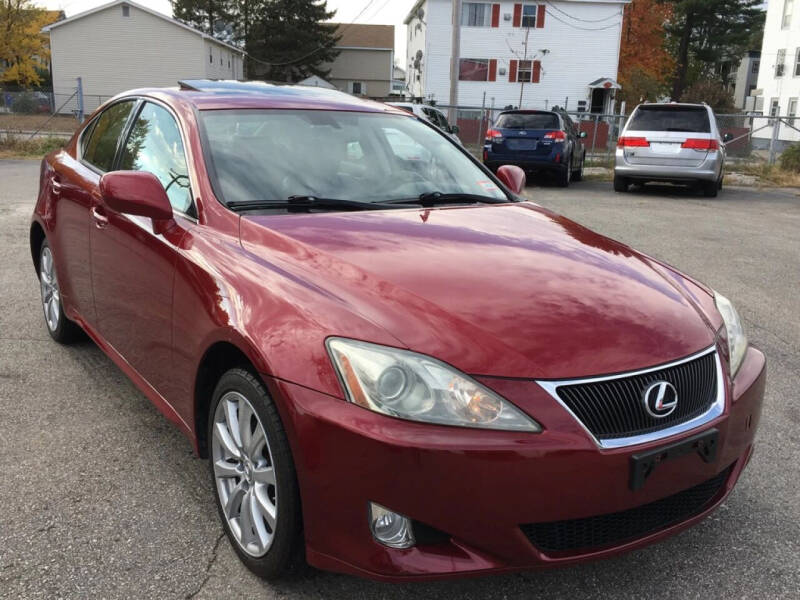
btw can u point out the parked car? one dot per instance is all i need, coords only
(430, 114)
(398, 368)
(675, 143)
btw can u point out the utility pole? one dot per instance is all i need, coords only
(524, 58)
(455, 60)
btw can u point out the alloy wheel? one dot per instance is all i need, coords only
(51, 297)
(244, 474)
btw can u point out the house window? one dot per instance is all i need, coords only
(774, 107)
(755, 67)
(473, 69)
(476, 14)
(779, 62)
(525, 71)
(529, 15)
(126, 10)
(210, 57)
(358, 88)
(788, 5)
(797, 62)
(792, 110)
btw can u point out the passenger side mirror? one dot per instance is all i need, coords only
(454, 129)
(727, 137)
(135, 193)
(582, 134)
(512, 177)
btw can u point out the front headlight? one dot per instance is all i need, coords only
(737, 340)
(419, 388)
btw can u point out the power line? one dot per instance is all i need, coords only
(556, 17)
(566, 14)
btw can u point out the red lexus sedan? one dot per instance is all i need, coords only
(395, 365)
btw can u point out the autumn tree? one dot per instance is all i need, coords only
(23, 47)
(645, 65)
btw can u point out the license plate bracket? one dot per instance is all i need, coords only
(644, 463)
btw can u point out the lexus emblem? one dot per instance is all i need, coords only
(660, 398)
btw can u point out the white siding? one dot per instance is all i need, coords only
(788, 86)
(223, 64)
(416, 33)
(575, 56)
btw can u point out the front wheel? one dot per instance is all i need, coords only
(60, 328)
(254, 478)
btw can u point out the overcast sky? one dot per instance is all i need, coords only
(384, 12)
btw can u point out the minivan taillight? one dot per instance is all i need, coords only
(556, 136)
(701, 144)
(632, 142)
(492, 135)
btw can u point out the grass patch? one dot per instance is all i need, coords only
(772, 175)
(21, 147)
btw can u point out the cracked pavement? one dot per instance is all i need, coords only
(101, 497)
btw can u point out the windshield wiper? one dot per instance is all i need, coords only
(304, 203)
(433, 198)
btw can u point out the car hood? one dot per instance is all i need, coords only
(504, 290)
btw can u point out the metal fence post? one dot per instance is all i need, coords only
(594, 133)
(79, 92)
(776, 123)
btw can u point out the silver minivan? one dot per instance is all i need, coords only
(679, 143)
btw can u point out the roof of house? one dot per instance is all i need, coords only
(144, 9)
(360, 35)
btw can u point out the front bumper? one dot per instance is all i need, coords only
(709, 170)
(480, 487)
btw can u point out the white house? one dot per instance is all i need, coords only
(779, 77)
(526, 54)
(123, 45)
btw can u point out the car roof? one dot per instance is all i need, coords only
(207, 94)
(673, 104)
(527, 111)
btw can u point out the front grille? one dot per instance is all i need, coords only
(613, 408)
(604, 530)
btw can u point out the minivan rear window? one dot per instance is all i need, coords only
(670, 118)
(528, 121)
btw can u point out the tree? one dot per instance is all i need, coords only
(702, 33)
(713, 92)
(645, 65)
(289, 40)
(23, 48)
(209, 16)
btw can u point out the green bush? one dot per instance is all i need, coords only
(790, 159)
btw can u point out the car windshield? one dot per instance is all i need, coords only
(528, 121)
(670, 118)
(258, 155)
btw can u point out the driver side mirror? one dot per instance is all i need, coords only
(727, 137)
(135, 193)
(512, 177)
(454, 129)
(582, 134)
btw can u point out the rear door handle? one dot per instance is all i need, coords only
(56, 185)
(100, 220)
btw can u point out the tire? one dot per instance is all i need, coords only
(577, 175)
(563, 177)
(60, 328)
(710, 188)
(270, 541)
(620, 184)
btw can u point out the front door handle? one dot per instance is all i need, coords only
(55, 184)
(100, 220)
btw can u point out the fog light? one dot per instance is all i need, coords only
(390, 528)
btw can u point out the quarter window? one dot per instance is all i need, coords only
(476, 14)
(154, 145)
(473, 69)
(102, 145)
(529, 15)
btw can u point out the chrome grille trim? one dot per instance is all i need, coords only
(714, 411)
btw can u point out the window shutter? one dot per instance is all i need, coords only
(512, 71)
(492, 69)
(495, 15)
(540, 16)
(537, 69)
(517, 15)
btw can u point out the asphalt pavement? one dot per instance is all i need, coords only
(101, 497)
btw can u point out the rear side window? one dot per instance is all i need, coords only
(102, 145)
(670, 118)
(154, 145)
(528, 121)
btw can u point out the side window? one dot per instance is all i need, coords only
(101, 147)
(154, 145)
(86, 136)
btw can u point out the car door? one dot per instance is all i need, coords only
(133, 257)
(572, 140)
